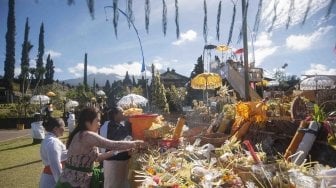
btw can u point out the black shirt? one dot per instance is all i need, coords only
(116, 131)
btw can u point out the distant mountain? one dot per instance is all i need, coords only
(100, 79)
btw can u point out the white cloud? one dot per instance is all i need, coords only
(262, 53)
(53, 54)
(58, 70)
(163, 64)
(302, 42)
(320, 69)
(264, 48)
(263, 40)
(190, 35)
(133, 68)
(283, 9)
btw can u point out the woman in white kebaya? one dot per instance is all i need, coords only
(53, 152)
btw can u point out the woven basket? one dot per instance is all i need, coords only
(157, 133)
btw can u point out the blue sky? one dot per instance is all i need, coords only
(70, 32)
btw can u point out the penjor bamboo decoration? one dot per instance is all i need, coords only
(330, 6)
(177, 19)
(307, 11)
(205, 24)
(90, 4)
(71, 2)
(290, 12)
(257, 18)
(147, 13)
(129, 12)
(274, 16)
(232, 23)
(164, 17)
(115, 17)
(218, 19)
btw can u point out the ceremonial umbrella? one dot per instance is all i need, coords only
(132, 100)
(100, 93)
(39, 99)
(222, 48)
(71, 104)
(317, 82)
(206, 81)
(51, 94)
(262, 83)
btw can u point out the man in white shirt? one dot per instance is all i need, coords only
(71, 121)
(37, 130)
(116, 167)
(53, 152)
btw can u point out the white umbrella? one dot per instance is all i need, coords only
(317, 82)
(100, 93)
(39, 99)
(71, 104)
(132, 99)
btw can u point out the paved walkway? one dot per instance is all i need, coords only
(9, 134)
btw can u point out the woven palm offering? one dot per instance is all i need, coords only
(157, 130)
(133, 111)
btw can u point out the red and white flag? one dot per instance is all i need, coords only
(239, 51)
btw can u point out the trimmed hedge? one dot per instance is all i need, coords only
(10, 123)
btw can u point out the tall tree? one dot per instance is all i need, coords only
(127, 80)
(107, 87)
(49, 75)
(85, 72)
(158, 94)
(195, 94)
(199, 67)
(40, 70)
(175, 99)
(133, 81)
(10, 47)
(26, 47)
(94, 85)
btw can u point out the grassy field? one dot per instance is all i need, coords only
(20, 163)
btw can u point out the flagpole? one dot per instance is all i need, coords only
(246, 63)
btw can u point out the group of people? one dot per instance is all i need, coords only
(72, 165)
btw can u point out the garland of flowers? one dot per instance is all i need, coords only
(147, 13)
(307, 11)
(290, 12)
(115, 17)
(205, 24)
(129, 12)
(232, 22)
(177, 19)
(331, 4)
(90, 4)
(275, 6)
(218, 18)
(164, 17)
(257, 18)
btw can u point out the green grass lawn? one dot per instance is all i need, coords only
(20, 163)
